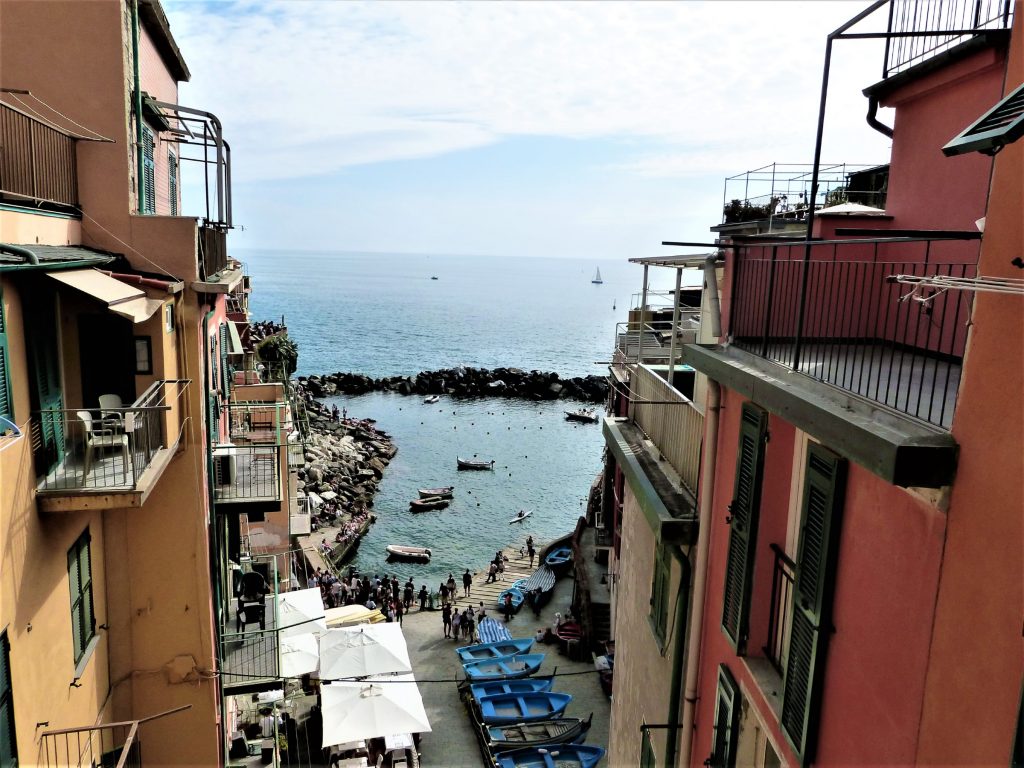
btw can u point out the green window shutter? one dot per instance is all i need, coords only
(148, 172)
(820, 525)
(6, 401)
(225, 387)
(659, 593)
(213, 423)
(744, 511)
(172, 182)
(8, 740)
(1003, 124)
(83, 622)
(726, 723)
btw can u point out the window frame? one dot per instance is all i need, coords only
(81, 640)
(658, 617)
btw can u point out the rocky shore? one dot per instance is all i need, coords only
(465, 382)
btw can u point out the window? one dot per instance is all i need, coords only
(83, 623)
(172, 182)
(659, 593)
(8, 740)
(168, 318)
(148, 203)
(820, 518)
(143, 355)
(726, 723)
(6, 403)
(743, 517)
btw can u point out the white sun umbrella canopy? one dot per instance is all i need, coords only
(300, 655)
(300, 612)
(366, 649)
(378, 706)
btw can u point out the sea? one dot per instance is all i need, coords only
(385, 314)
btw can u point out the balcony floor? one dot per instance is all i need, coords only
(255, 478)
(106, 473)
(251, 655)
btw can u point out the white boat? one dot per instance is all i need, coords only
(431, 399)
(586, 415)
(597, 277)
(522, 515)
(411, 554)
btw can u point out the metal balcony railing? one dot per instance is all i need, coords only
(651, 341)
(246, 473)
(670, 421)
(839, 318)
(259, 422)
(113, 745)
(783, 574)
(37, 161)
(962, 18)
(93, 450)
(250, 648)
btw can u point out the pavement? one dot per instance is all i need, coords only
(452, 743)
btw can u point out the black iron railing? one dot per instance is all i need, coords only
(783, 574)
(962, 18)
(838, 317)
(244, 473)
(37, 162)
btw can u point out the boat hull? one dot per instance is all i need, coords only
(474, 465)
(525, 685)
(565, 756)
(522, 707)
(441, 493)
(509, 667)
(499, 650)
(585, 418)
(565, 730)
(424, 505)
(408, 554)
(559, 560)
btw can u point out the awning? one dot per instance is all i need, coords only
(120, 298)
(234, 340)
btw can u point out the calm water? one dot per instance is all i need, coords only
(382, 315)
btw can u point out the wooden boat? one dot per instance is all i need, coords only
(522, 707)
(526, 685)
(432, 502)
(442, 493)
(565, 730)
(539, 588)
(522, 515)
(494, 650)
(408, 554)
(560, 756)
(559, 560)
(433, 398)
(586, 415)
(569, 630)
(518, 598)
(478, 465)
(521, 665)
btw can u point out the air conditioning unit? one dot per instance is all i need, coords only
(224, 466)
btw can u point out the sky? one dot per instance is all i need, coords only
(548, 129)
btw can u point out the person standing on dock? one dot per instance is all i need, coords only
(500, 567)
(423, 597)
(509, 612)
(467, 582)
(530, 550)
(456, 622)
(492, 573)
(451, 586)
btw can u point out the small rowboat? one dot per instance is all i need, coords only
(408, 554)
(501, 738)
(497, 650)
(554, 756)
(443, 493)
(585, 415)
(522, 707)
(570, 630)
(538, 588)
(478, 465)
(517, 599)
(522, 515)
(433, 398)
(526, 685)
(433, 502)
(522, 665)
(559, 560)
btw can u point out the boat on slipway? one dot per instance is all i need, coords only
(525, 685)
(497, 650)
(560, 756)
(522, 707)
(473, 464)
(563, 730)
(521, 665)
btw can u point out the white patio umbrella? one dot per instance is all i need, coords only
(300, 612)
(366, 649)
(379, 706)
(300, 655)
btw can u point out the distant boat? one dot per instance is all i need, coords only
(408, 554)
(520, 516)
(431, 502)
(586, 415)
(433, 277)
(431, 399)
(467, 464)
(444, 493)
(597, 277)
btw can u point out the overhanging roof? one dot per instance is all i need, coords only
(234, 340)
(50, 257)
(120, 298)
(686, 260)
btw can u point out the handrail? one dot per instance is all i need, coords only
(118, 724)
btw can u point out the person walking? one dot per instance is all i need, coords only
(443, 589)
(456, 622)
(451, 586)
(467, 582)
(468, 625)
(446, 619)
(492, 573)
(509, 611)
(530, 550)
(399, 611)
(500, 568)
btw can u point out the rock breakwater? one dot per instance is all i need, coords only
(465, 382)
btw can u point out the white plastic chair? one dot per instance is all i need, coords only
(109, 411)
(101, 436)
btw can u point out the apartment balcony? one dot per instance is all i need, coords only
(652, 339)
(37, 162)
(112, 745)
(247, 477)
(112, 457)
(250, 644)
(213, 251)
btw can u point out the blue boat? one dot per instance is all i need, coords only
(525, 685)
(523, 665)
(555, 756)
(559, 560)
(517, 599)
(484, 651)
(522, 707)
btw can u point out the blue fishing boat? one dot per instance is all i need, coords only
(522, 707)
(559, 560)
(523, 665)
(555, 756)
(517, 599)
(545, 733)
(484, 651)
(526, 685)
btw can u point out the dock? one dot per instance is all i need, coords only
(516, 567)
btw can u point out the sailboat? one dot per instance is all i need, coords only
(597, 277)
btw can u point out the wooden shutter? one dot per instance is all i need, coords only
(744, 511)
(172, 182)
(727, 721)
(821, 515)
(6, 401)
(659, 593)
(8, 740)
(148, 172)
(1001, 125)
(223, 338)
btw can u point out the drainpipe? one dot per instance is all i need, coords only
(678, 646)
(873, 121)
(137, 98)
(707, 497)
